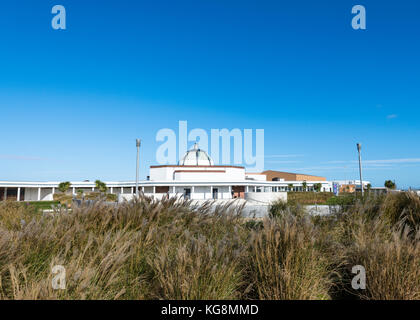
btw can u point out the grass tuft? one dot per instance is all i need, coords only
(174, 249)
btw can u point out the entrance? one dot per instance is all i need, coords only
(215, 193)
(238, 192)
(187, 193)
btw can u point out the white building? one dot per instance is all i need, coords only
(353, 182)
(195, 177)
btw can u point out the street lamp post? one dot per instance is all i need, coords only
(359, 149)
(138, 143)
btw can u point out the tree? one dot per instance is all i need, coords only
(369, 186)
(290, 186)
(317, 187)
(304, 186)
(390, 184)
(64, 186)
(101, 186)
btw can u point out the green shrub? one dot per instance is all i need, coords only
(308, 198)
(344, 200)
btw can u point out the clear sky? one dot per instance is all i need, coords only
(73, 101)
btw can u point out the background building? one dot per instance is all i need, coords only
(279, 175)
(351, 186)
(194, 177)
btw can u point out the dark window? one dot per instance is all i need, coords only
(187, 193)
(215, 193)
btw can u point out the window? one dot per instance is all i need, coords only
(187, 193)
(215, 193)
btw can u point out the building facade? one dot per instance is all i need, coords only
(351, 186)
(279, 175)
(194, 177)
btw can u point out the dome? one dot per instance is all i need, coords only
(196, 157)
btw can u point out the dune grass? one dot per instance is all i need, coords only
(309, 198)
(169, 249)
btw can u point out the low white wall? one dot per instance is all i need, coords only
(321, 210)
(46, 195)
(125, 197)
(31, 194)
(266, 197)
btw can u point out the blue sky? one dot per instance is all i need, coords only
(73, 101)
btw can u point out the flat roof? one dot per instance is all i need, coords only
(302, 174)
(84, 184)
(193, 166)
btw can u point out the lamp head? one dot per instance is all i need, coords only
(138, 142)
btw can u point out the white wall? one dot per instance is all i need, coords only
(200, 193)
(46, 195)
(161, 174)
(31, 194)
(223, 192)
(170, 174)
(200, 176)
(204, 192)
(256, 177)
(265, 197)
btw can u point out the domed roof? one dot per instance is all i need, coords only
(196, 157)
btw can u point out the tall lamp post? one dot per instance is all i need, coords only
(359, 150)
(138, 143)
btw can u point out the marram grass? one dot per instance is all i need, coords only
(168, 249)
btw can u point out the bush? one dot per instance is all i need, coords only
(344, 200)
(309, 198)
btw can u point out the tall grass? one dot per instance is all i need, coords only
(173, 249)
(287, 261)
(382, 234)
